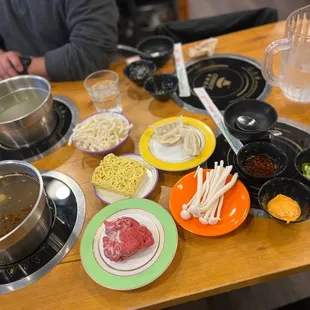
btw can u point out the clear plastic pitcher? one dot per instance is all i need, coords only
(294, 74)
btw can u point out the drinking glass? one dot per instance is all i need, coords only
(103, 88)
(294, 74)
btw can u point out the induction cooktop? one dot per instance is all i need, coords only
(295, 138)
(67, 116)
(67, 205)
(227, 79)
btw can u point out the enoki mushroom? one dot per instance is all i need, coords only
(206, 204)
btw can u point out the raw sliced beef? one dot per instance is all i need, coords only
(125, 237)
(121, 223)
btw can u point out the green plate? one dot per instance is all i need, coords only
(146, 276)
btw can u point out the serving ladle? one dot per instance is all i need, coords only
(247, 123)
(136, 51)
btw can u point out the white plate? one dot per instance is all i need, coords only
(144, 190)
(175, 153)
(143, 259)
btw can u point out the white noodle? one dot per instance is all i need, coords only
(99, 133)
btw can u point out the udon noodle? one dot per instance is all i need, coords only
(99, 133)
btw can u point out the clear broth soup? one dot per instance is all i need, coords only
(18, 195)
(20, 103)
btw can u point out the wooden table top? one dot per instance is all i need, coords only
(259, 250)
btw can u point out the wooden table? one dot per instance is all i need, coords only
(260, 250)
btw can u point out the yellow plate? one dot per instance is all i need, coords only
(173, 157)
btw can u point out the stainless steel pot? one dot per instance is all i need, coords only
(30, 233)
(35, 125)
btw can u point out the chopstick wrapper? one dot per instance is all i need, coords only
(207, 102)
(184, 90)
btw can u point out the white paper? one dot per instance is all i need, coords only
(204, 48)
(214, 112)
(184, 90)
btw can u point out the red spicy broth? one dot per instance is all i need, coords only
(18, 195)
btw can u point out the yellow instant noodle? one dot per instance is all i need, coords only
(120, 175)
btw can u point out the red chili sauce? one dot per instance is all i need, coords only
(260, 165)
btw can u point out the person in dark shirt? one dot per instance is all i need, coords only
(65, 39)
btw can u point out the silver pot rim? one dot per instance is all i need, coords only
(41, 192)
(43, 102)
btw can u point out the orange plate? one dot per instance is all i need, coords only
(235, 207)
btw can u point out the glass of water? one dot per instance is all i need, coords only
(103, 88)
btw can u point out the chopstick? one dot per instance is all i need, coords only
(214, 112)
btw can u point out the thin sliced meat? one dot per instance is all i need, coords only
(125, 237)
(121, 223)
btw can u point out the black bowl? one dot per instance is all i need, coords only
(139, 71)
(161, 86)
(302, 157)
(262, 112)
(289, 187)
(262, 148)
(157, 44)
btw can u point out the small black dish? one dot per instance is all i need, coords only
(288, 187)
(139, 71)
(301, 158)
(161, 86)
(262, 112)
(161, 45)
(262, 148)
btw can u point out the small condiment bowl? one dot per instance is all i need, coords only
(262, 148)
(162, 86)
(301, 158)
(288, 187)
(161, 46)
(262, 112)
(113, 148)
(139, 71)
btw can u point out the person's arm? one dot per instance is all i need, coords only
(1, 46)
(37, 67)
(14, 65)
(10, 64)
(92, 42)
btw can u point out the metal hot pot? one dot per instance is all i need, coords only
(32, 231)
(20, 130)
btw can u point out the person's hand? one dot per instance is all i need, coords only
(10, 65)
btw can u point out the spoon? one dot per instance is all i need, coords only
(136, 51)
(247, 123)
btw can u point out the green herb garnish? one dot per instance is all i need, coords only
(305, 168)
